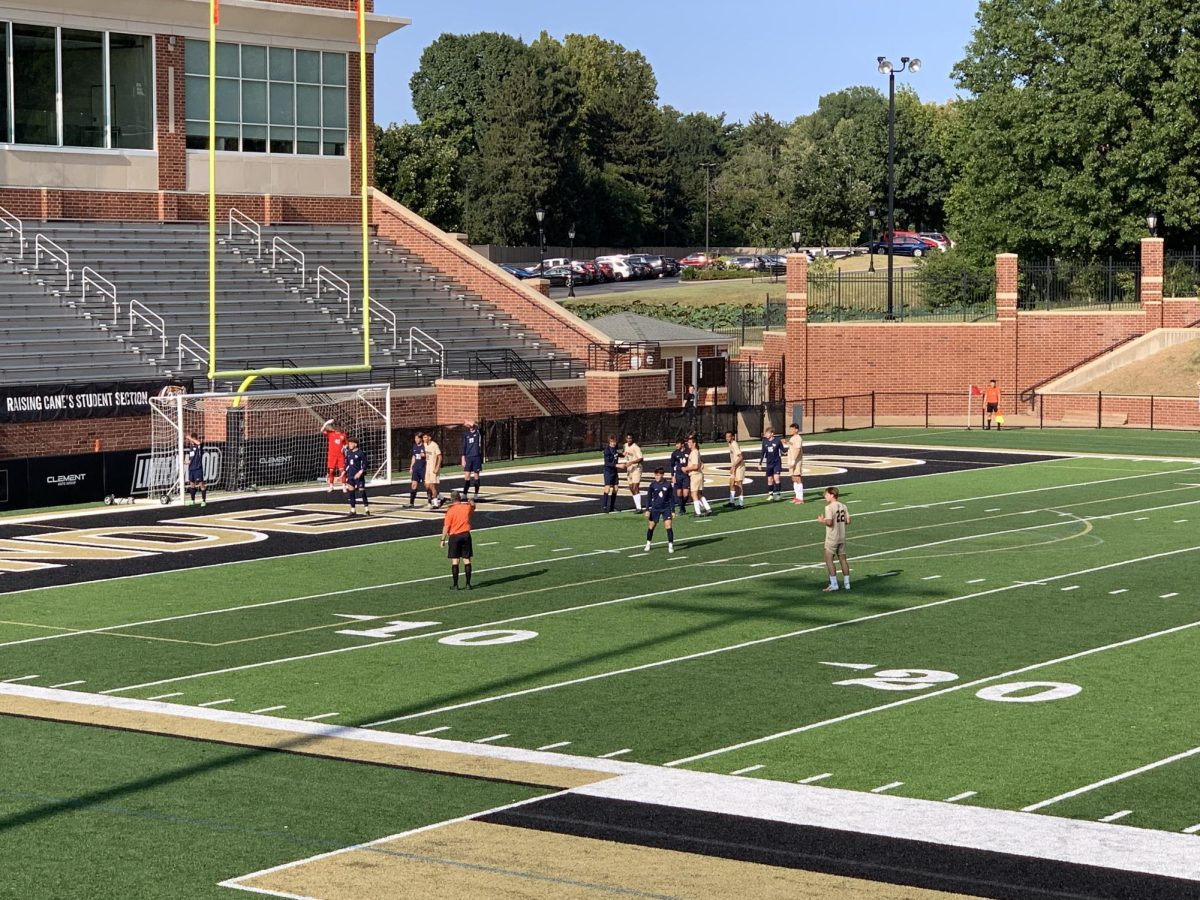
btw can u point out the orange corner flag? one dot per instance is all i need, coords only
(976, 390)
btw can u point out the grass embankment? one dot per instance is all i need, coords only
(1173, 372)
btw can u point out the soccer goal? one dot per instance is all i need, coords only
(257, 440)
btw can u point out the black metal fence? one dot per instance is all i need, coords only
(1181, 273)
(753, 323)
(1079, 284)
(916, 296)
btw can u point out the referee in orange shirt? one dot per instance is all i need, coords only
(991, 403)
(456, 531)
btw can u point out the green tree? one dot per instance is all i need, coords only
(1085, 115)
(689, 141)
(416, 167)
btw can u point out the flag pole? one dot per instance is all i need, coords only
(970, 396)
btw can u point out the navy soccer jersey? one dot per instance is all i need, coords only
(679, 459)
(193, 455)
(612, 456)
(473, 446)
(356, 467)
(418, 461)
(661, 496)
(772, 450)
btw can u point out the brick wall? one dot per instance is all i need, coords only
(19, 440)
(39, 204)
(329, 4)
(1088, 410)
(1180, 312)
(615, 391)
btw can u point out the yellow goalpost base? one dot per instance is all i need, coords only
(250, 376)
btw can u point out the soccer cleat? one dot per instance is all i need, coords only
(454, 587)
(797, 500)
(829, 589)
(670, 548)
(366, 512)
(646, 549)
(203, 503)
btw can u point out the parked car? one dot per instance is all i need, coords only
(606, 271)
(641, 268)
(903, 246)
(696, 261)
(670, 266)
(654, 262)
(556, 261)
(557, 275)
(944, 242)
(622, 270)
(913, 236)
(516, 271)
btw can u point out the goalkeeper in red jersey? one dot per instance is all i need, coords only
(335, 460)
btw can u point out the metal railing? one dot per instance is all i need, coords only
(11, 223)
(102, 286)
(238, 219)
(418, 339)
(43, 244)
(192, 348)
(620, 356)
(339, 284)
(280, 247)
(387, 317)
(1181, 273)
(140, 312)
(1079, 284)
(916, 296)
(510, 365)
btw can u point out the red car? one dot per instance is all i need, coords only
(910, 237)
(696, 261)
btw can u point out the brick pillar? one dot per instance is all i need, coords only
(1007, 267)
(795, 361)
(541, 285)
(1152, 282)
(352, 144)
(169, 92)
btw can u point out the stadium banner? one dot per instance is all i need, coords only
(95, 400)
(14, 478)
(60, 480)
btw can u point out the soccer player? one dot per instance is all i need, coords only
(695, 470)
(193, 456)
(416, 469)
(660, 506)
(737, 472)
(612, 459)
(356, 477)
(772, 452)
(335, 456)
(633, 470)
(795, 461)
(433, 470)
(472, 457)
(991, 404)
(456, 530)
(679, 458)
(835, 519)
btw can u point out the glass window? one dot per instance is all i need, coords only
(82, 88)
(35, 75)
(254, 62)
(254, 138)
(5, 137)
(333, 107)
(227, 61)
(308, 105)
(197, 135)
(308, 141)
(227, 136)
(254, 102)
(283, 104)
(283, 140)
(282, 65)
(228, 100)
(195, 57)
(308, 66)
(334, 142)
(334, 68)
(131, 84)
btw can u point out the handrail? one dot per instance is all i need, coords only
(326, 275)
(152, 319)
(17, 227)
(101, 284)
(533, 382)
(387, 317)
(43, 244)
(192, 348)
(247, 224)
(426, 342)
(280, 247)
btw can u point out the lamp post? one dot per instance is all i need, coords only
(571, 263)
(1152, 223)
(796, 236)
(871, 247)
(707, 167)
(541, 217)
(912, 65)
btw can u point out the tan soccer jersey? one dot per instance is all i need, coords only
(795, 453)
(695, 471)
(737, 462)
(433, 462)
(633, 462)
(835, 534)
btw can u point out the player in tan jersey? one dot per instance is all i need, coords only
(433, 469)
(737, 472)
(795, 461)
(695, 471)
(835, 519)
(632, 464)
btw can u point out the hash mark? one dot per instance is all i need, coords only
(22, 678)
(1071, 587)
(1119, 591)
(958, 507)
(489, 544)
(931, 577)
(993, 509)
(165, 696)
(267, 709)
(321, 716)
(813, 779)
(887, 787)
(1179, 521)
(616, 753)
(1142, 519)
(977, 581)
(1168, 596)
(525, 547)
(216, 702)
(494, 737)
(562, 550)
(1191, 829)
(67, 684)
(1117, 815)
(433, 731)
(745, 770)
(555, 746)
(963, 796)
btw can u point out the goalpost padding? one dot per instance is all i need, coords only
(256, 440)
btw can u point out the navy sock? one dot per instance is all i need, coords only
(649, 535)
(454, 572)
(467, 572)
(670, 535)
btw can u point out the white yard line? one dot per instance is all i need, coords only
(616, 753)
(22, 678)
(745, 770)
(963, 796)
(433, 731)
(1119, 591)
(265, 709)
(978, 682)
(1167, 596)
(556, 745)
(166, 696)
(320, 717)
(884, 788)
(216, 702)
(1117, 815)
(1034, 807)
(1192, 829)
(494, 737)
(977, 581)
(67, 684)
(813, 779)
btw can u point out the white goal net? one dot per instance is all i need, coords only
(265, 439)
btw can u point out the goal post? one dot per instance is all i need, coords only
(260, 440)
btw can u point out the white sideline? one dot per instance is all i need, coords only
(1112, 780)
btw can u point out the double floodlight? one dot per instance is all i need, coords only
(911, 64)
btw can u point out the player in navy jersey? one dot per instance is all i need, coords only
(660, 506)
(472, 457)
(679, 458)
(193, 457)
(772, 461)
(612, 457)
(417, 470)
(356, 476)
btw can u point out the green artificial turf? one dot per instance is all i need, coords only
(1121, 441)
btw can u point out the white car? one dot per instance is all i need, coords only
(622, 271)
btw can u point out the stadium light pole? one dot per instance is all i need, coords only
(541, 217)
(871, 247)
(707, 167)
(913, 65)
(571, 263)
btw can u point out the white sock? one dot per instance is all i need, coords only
(637, 501)
(696, 504)
(704, 503)
(740, 501)
(833, 582)
(846, 581)
(798, 489)
(732, 497)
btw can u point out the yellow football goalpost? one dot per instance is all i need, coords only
(249, 375)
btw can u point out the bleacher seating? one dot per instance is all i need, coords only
(266, 314)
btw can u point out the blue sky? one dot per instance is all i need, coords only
(765, 56)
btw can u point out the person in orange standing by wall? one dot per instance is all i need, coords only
(456, 530)
(991, 404)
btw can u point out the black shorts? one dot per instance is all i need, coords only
(195, 476)
(993, 407)
(473, 465)
(460, 546)
(356, 484)
(659, 515)
(611, 478)
(418, 474)
(683, 483)
(773, 469)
